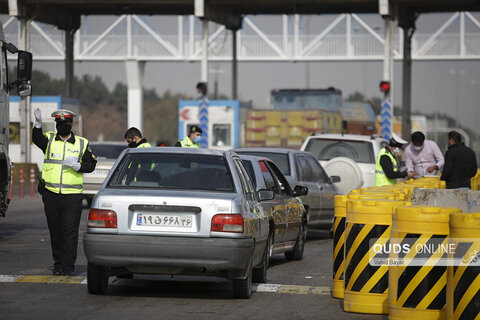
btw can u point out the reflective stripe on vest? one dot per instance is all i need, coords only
(187, 143)
(58, 177)
(381, 178)
(145, 145)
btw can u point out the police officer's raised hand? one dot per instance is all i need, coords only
(38, 118)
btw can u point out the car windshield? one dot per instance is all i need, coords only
(173, 171)
(107, 151)
(280, 159)
(326, 149)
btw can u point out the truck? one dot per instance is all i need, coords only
(292, 116)
(23, 88)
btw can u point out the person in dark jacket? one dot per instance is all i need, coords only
(460, 163)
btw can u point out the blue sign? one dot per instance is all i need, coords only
(203, 120)
(386, 119)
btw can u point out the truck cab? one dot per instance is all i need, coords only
(23, 88)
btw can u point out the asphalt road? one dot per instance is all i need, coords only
(295, 289)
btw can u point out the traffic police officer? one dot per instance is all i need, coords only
(387, 166)
(134, 138)
(192, 140)
(67, 157)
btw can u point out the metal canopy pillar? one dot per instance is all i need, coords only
(234, 65)
(135, 71)
(386, 10)
(204, 75)
(25, 107)
(407, 22)
(69, 34)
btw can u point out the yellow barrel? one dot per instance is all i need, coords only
(338, 244)
(463, 275)
(368, 224)
(418, 272)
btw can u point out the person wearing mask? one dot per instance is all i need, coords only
(460, 163)
(422, 157)
(134, 138)
(67, 158)
(387, 165)
(192, 140)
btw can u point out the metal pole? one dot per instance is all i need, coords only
(407, 82)
(69, 62)
(25, 114)
(205, 51)
(387, 102)
(234, 66)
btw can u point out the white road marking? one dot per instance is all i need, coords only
(256, 287)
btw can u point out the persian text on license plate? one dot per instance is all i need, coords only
(164, 220)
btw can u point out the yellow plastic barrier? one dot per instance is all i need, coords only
(338, 244)
(398, 194)
(463, 277)
(368, 223)
(359, 196)
(417, 277)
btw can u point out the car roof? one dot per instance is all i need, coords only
(339, 136)
(252, 158)
(271, 150)
(178, 150)
(116, 143)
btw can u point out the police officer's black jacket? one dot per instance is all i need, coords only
(460, 166)
(88, 160)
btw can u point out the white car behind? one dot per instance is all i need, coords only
(350, 156)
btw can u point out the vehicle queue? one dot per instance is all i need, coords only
(192, 211)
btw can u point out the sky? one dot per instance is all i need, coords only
(451, 87)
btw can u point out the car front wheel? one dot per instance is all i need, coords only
(97, 279)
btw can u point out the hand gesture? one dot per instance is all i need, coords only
(38, 115)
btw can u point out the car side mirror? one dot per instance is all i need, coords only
(300, 191)
(334, 179)
(24, 89)
(24, 66)
(265, 194)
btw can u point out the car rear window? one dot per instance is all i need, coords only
(280, 159)
(325, 149)
(173, 171)
(107, 151)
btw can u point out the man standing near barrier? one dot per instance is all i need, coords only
(460, 163)
(67, 157)
(422, 157)
(387, 166)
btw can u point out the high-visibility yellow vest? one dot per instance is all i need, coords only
(145, 145)
(187, 143)
(381, 178)
(59, 178)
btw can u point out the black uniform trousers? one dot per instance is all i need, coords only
(63, 213)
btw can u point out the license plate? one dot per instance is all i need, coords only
(164, 220)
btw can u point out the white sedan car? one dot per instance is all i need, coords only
(178, 211)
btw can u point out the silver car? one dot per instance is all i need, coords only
(177, 211)
(301, 168)
(287, 216)
(106, 154)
